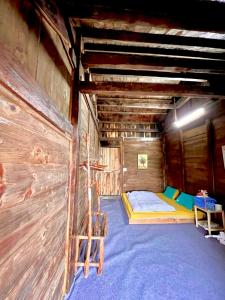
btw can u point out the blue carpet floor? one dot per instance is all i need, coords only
(144, 262)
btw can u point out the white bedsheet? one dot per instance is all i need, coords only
(147, 201)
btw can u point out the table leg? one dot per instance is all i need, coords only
(196, 217)
(209, 222)
(223, 219)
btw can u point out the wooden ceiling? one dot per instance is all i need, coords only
(145, 57)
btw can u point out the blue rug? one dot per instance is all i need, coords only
(144, 262)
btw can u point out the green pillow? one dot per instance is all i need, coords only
(186, 200)
(170, 192)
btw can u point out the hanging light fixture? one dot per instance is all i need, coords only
(189, 118)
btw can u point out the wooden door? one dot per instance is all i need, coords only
(110, 181)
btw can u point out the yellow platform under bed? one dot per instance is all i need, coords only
(181, 215)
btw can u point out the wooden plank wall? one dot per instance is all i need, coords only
(38, 48)
(200, 163)
(219, 168)
(110, 182)
(174, 161)
(86, 125)
(34, 155)
(150, 179)
(34, 164)
(195, 159)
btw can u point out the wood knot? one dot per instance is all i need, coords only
(40, 156)
(12, 107)
(34, 176)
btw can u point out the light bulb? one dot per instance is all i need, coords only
(190, 117)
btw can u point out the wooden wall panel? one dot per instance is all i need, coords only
(38, 49)
(53, 70)
(187, 159)
(150, 179)
(86, 126)
(219, 168)
(22, 34)
(110, 182)
(196, 159)
(173, 160)
(34, 169)
(202, 153)
(82, 192)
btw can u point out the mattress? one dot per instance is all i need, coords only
(180, 215)
(142, 201)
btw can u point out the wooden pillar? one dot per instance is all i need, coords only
(73, 177)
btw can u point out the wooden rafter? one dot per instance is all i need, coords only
(205, 15)
(160, 74)
(145, 113)
(142, 55)
(133, 101)
(110, 48)
(114, 117)
(137, 105)
(142, 89)
(131, 61)
(150, 38)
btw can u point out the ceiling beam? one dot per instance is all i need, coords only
(136, 119)
(133, 101)
(189, 15)
(137, 105)
(124, 97)
(131, 61)
(150, 38)
(109, 48)
(166, 75)
(142, 89)
(132, 112)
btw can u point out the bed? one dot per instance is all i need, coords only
(177, 214)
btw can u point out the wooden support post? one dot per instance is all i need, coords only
(87, 260)
(71, 246)
(77, 240)
(101, 255)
